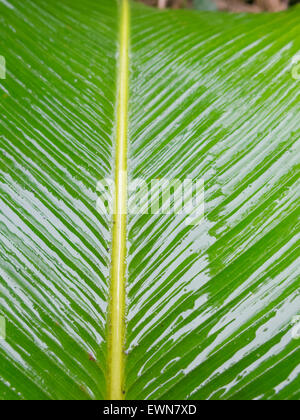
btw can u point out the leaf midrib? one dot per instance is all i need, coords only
(118, 258)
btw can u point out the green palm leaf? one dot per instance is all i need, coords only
(209, 307)
(57, 109)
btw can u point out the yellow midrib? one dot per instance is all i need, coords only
(118, 270)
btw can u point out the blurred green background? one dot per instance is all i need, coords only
(254, 6)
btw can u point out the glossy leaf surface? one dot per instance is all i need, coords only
(209, 307)
(57, 117)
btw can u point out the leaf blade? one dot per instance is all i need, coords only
(58, 120)
(215, 100)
